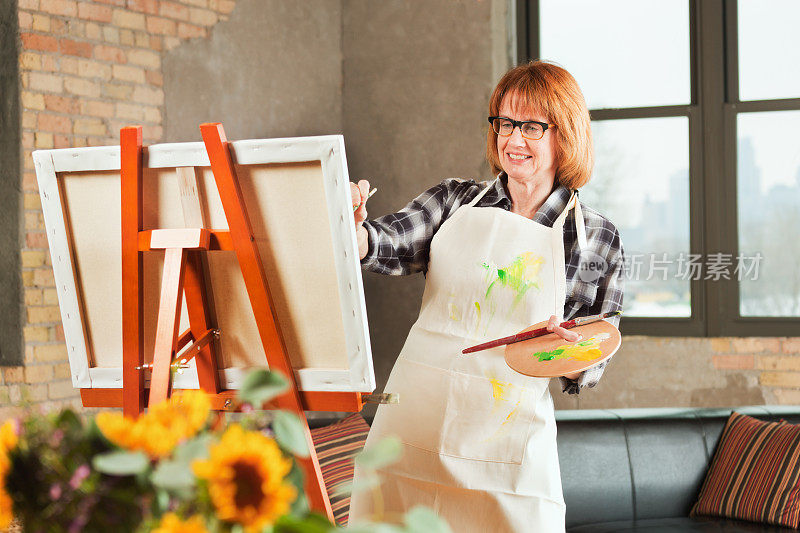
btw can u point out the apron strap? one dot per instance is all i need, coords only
(482, 193)
(580, 227)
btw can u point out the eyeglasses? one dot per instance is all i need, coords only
(530, 129)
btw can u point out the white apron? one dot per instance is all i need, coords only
(479, 440)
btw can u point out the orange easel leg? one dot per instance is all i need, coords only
(258, 290)
(199, 321)
(169, 310)
(132, 280)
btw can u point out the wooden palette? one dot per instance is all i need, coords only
(550, 355)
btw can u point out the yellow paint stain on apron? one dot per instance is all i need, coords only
(501, 394)
(499, 390)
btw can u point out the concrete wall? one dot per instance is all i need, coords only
(418, 77)
(11, 196)
(274, 69)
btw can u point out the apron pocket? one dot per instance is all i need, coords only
(417, 419)
(487, 419)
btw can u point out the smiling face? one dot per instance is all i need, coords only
(525, 159)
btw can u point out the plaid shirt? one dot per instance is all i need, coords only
(399, 244)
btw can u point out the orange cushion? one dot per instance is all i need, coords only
(337, 445)
(755, 473)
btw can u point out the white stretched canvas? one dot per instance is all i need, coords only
(297, 195)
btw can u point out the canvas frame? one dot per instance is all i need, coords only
(329, 151)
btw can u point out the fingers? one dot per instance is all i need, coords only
(363, 185)
(359, 192)
(355, 194)
(360, 214)
(567, 335)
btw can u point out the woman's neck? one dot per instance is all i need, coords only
(527, 196)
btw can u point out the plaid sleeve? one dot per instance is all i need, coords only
(399, 243)
(608, 298)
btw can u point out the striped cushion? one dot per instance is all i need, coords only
(755, 473)
(337, 445)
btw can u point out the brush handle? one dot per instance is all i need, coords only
(511, 339)
(539, 332)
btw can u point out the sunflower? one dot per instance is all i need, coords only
(8, 435)
(163, 427)
(8, 441)
(246, 478)
(171, 523)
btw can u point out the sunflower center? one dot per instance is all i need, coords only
(248, 485)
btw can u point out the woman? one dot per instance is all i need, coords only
(479, 440)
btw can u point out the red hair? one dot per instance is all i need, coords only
(551, 90)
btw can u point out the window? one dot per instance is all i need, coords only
(695, 111)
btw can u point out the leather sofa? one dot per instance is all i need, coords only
(640, 470)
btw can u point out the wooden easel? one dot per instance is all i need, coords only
(183, 275)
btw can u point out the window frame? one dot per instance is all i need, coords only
(11, 206)
(714, 107)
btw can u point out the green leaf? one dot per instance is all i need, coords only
(121, 463)
(162, 501)
(69, 418)
(197, 448)
(307, 524)
(421, 519)
(260, 386)
(173, 476)
(296, 477)
(300, 504)
(366, 481)
(384, 452)
(290, 433)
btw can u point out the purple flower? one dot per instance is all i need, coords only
(55, 491)
(56, 438)
(81, 473)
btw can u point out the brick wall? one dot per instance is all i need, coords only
(87, 68)
(775, 362)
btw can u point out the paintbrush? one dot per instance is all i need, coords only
(539, 332)
(373, 191)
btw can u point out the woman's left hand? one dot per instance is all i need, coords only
(567, 335)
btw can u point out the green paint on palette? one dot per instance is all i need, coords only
(586, 350)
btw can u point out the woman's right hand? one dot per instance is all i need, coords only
(359, 195)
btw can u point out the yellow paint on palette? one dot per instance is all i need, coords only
(586, 350)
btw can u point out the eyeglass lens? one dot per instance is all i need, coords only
(530, 130)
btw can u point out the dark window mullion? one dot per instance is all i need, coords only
(719, 190)
(754, 106)
(622, 113)
(527, 30)
(730, 12)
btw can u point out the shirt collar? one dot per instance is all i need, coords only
(547, 213)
